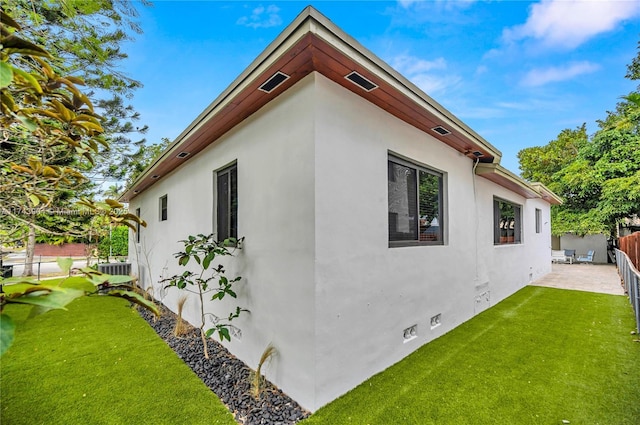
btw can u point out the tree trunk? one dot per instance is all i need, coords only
(30, 250)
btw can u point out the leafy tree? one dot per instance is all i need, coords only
(599, 176)
(540, 163)
(50, 130)
(81, 40)
(141, 159)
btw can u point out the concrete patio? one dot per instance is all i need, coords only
(601, 278)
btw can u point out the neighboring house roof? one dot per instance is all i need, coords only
(313, 43)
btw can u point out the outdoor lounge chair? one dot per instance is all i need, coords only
(570, 254)
(586, 258)
(558, 256)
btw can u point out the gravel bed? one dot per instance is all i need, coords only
(227, 376)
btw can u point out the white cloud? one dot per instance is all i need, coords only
(569, 23)
(482, 69)
(425, 74)
(262, 17)
(539, 77)
(411, 65)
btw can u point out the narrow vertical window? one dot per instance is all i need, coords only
(538, 220)
(227, 197)
(138, 226)
(507, 222)
(415, 203)
(163, 208)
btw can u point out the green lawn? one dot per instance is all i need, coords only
(98, 363)
(543, 356)
(540, 357)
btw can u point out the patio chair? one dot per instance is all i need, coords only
(586, 258)
(558, 256)
(570, 254)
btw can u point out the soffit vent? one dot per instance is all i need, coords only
(441, 130)
(361, 81)
(155, 176)
(273, 82)
(183, 154)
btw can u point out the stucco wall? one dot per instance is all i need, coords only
(319, 277)
(368, 293)
(274, 153)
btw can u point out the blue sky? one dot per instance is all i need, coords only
(517, 72)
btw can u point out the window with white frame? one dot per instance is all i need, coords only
(227, 203)
(415, 204)
(163, 208)
(507, 222)
(538, 220)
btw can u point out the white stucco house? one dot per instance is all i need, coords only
(374, 220)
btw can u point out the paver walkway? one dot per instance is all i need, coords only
(601, 278)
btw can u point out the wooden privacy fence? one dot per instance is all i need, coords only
(630, 245)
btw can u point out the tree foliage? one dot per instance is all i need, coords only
(598, 177)
(56, 137)
(85, 40)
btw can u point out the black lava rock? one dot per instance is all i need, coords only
(227, 376)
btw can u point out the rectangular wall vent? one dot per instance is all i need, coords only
(183, 154)
(441, 130)
(363, 82)
(273, 82)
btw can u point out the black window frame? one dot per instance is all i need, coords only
(227, 202)
(507, 222)
(163, 208)
(138, 226)
(420, 234)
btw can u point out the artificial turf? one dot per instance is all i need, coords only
(542, 356)
(98, 363)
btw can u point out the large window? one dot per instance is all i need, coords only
(163, 208)
(415, 204)
(227, 197)
(507, 222)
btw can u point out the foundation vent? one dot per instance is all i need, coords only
(436, 320)
(410, 333)
(273, 82)
(361, 81)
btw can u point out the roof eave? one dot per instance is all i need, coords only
(505, 178)
(547, 194)
(310, 21)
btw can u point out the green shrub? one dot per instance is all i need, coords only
(119, 242)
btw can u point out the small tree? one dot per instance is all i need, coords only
(204, 250)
